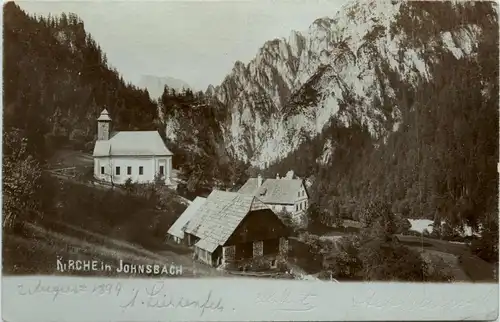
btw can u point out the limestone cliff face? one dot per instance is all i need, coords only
(342, 68)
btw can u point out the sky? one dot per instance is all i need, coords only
(194, 41)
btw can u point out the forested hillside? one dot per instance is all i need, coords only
(56, 82)
(440, 162)
(194, 130)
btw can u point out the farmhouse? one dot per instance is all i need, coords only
(232, 228)
(138, 155)
(281, 194)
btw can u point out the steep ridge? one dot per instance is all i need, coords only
(419, 131)
(340, 68)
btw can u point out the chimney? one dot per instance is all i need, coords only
(259, 180)
(277, 175)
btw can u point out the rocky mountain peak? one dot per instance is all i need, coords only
(346, 67)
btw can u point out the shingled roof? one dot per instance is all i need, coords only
(273, 191)
(217, 219)
(177, 229)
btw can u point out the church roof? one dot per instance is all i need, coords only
(273, 191)
(132, 143)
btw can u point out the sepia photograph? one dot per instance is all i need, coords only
(265, 142)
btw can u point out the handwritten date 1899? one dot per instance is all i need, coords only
(107, 289)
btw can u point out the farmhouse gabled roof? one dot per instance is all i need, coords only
(177, 229)
(217, 219)
(274, 191)
(132, 143)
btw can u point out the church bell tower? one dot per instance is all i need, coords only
(103, 126)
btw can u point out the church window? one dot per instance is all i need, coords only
(161, 170)
(117, 171)
(129, 170)
(141, 170)
(102, 170)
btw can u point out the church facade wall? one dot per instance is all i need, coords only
(141, 169)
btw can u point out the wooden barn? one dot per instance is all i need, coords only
(230, 227)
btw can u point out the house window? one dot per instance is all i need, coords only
(102, 170)
(117, 171)
(283, 208)
(141, 170)
(299, 193)
(129, 170)
(161, 170)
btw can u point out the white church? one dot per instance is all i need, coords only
(139, 155)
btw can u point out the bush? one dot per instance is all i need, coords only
(486, 247)
(391, 262)
(378, 221)
(305, 255)
(403, 225)
(345, 262)
(129, 186)
(22, 180)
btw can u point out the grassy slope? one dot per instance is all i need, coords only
(86, 217)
